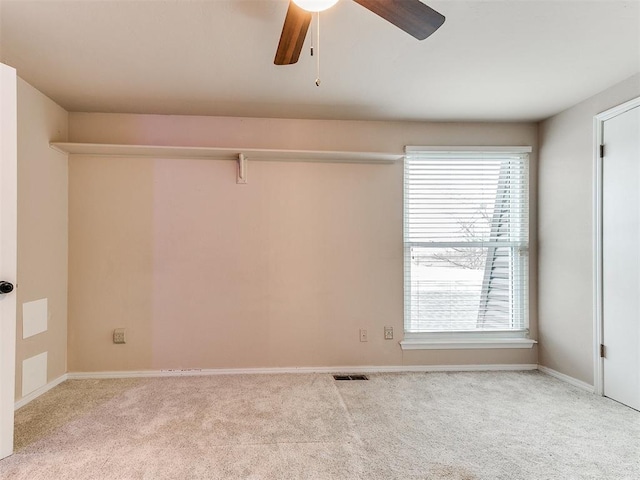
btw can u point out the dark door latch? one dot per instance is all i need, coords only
(6, 287)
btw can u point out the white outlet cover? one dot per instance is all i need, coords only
(34, 373)
(35, 317)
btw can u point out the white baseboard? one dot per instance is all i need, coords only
(36, 393)
(566, 378)
(283, 370)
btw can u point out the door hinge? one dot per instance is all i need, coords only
(602, 151)
(601, 350)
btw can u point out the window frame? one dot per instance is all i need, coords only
(463, 339)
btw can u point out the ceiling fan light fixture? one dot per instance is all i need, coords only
(315, 5)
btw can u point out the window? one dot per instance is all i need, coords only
(466, 240)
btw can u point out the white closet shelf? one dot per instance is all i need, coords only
(218, 153)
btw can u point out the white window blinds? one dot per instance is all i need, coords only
(466, 237)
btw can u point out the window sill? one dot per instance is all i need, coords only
(461, 343)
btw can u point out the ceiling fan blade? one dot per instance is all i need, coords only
(296, 24)
(412, 16)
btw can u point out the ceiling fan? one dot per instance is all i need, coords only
(412, 16)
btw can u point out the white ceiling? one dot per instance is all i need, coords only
(491, 60)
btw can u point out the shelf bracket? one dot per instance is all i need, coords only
(242, 169)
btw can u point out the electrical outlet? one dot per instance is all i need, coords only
(118, 335)
(388, 333)
(363, 335)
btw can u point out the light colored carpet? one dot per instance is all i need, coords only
(500, 425)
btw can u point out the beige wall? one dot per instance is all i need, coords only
(565, 234)
(284, 271)
(42, 227)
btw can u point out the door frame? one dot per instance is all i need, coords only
(8, 244)
(598, 133)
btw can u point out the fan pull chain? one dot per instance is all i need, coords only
(318, 48)
(313, 38)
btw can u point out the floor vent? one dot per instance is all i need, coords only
(350, 377)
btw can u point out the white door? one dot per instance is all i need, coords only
(621, 257)
(8, 214)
